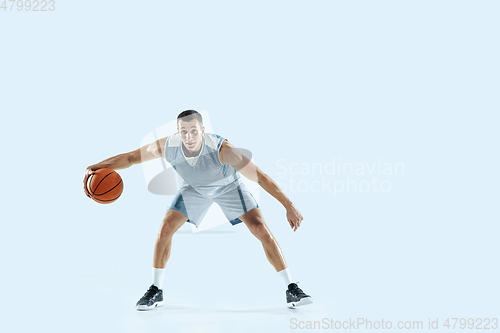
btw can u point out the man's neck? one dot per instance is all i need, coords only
(187, 153)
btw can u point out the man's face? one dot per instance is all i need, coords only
(191, 134)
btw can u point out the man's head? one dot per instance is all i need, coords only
(191, 130)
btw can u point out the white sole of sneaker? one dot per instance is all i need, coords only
(145, 307)
(304, 301)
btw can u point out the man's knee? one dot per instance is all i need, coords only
(172, 221)
(261, 231)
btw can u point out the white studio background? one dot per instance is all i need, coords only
(305, 86)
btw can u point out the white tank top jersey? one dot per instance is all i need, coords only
(207, 175)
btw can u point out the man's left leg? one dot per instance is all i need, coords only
(254, 220)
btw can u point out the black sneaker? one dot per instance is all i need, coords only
(151, 299)
(296, 297)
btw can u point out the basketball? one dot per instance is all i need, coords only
(105, 186)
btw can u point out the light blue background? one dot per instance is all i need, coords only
(413, 82)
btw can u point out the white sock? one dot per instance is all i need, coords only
(158, 277)
(285, 277)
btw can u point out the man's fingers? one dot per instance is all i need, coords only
(86, 191)
(295, 223)
(85, 180)
(295, 219)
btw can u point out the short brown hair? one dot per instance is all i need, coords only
(189, 115)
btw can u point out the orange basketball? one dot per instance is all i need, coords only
(105, 186)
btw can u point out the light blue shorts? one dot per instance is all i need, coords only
(195, 206)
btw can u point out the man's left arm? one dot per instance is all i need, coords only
(234, 157)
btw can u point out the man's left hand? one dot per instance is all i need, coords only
(294, 217)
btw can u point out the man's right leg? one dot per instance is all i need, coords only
(172, 221)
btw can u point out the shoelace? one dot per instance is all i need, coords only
(295, 290)
(151, 292)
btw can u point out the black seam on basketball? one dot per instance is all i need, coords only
(107, 200)
(110, 189)
(102, 180)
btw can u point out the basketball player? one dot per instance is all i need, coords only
(211, 168)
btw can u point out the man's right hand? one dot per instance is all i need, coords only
(122, 161)
(89, 171)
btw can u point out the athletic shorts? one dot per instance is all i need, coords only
(195, 206)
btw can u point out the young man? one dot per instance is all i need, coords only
(211, 168)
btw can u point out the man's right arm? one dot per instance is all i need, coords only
(145, 153)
